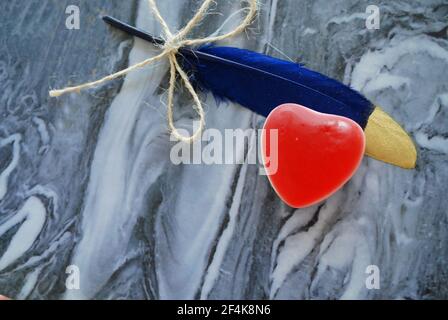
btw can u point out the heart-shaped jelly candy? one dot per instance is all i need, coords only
(309, 155)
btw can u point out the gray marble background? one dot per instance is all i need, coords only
(86, 179)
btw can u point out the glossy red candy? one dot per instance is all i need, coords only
(317, 153)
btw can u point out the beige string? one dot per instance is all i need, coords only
(170, 49)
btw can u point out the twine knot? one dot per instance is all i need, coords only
(169, 50)
(172, 45)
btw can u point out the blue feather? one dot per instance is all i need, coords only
(261, 83)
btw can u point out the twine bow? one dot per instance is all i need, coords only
(170, 49)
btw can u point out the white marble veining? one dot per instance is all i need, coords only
(86, 180)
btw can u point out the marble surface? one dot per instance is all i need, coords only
(86, 180)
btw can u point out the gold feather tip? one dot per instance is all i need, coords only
(387, 141)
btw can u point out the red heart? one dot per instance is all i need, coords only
(317, 153)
